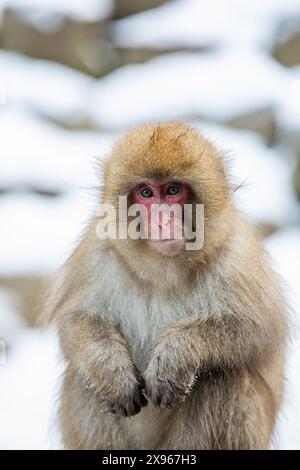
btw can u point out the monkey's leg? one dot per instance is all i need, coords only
(224, 412)
(82, 422)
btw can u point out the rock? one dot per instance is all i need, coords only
(261, 121)
(289, 124)
(296, 177)
(138, 55)
(25, 189)
(72, 122)
(266, 230)
(79, 44)
(126, 8)
(86, 46)
(287, 48)
(11, 322)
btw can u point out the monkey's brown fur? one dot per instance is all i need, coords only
(204, 332)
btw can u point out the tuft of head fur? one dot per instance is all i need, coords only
(174, 151)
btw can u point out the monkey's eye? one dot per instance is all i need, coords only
(146, 192)
(173, 190)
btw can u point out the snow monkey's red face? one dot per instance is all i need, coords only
(162, 221)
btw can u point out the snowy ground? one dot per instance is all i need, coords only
(48, 180)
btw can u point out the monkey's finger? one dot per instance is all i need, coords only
(165, 393)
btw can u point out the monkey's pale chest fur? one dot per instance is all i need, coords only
(141, 314)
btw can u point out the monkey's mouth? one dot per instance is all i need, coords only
(165, 240)
(168, 245)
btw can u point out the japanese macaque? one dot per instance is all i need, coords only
(168, 347)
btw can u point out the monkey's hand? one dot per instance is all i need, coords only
(98, 351)
(126, 397)
(172, 368)
(119, 385)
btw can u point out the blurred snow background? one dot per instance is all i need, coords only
(73, 76)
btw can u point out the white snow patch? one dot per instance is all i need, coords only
(28, 385)
(36, 232)
(284, 248)
(53, 89)
(87, 10)
(37, 235)
(10, 321)
(194, 23)
(46, 155)
(288, 103)
(217, 86)
(266, 195)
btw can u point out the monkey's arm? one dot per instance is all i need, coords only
(212, 342)
(97, 351)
